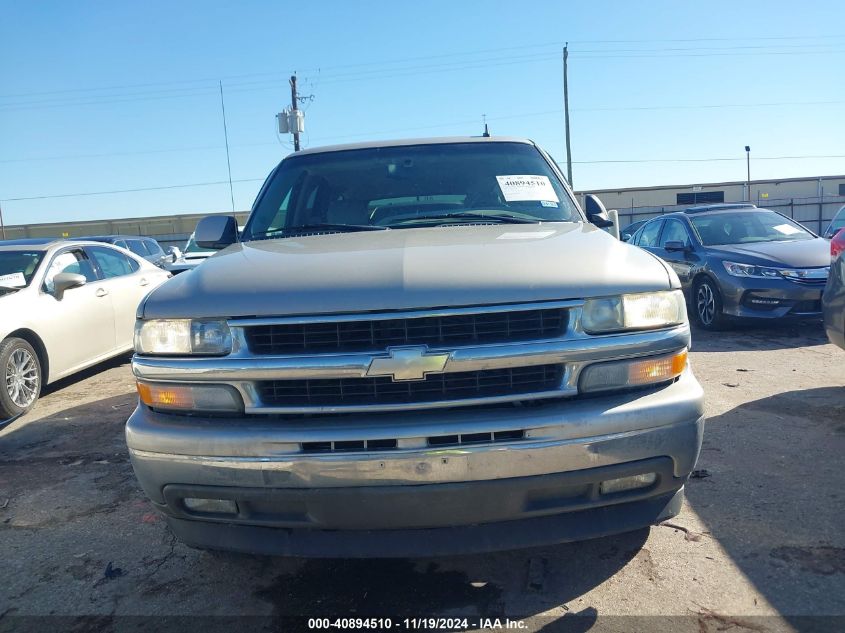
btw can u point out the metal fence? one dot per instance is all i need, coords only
(814, 213)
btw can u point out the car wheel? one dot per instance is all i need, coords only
(20, 370)
(707, 303)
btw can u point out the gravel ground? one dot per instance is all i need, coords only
(759, 546)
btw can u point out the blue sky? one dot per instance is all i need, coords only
(104, 96)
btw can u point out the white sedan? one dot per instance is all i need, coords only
(64, 306)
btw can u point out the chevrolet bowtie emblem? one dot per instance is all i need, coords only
(408, 363)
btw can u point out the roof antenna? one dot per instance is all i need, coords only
(486, 131)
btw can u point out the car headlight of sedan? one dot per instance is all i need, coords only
(643, 311)
(749, 270)
(182, 336)
(767, 272)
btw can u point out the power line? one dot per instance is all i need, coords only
(388, 66)
(137, 189)
(467, 121)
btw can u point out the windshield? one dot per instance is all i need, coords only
(412, 186)
(17, 268)
(747, 227)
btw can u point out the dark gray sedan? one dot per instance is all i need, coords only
(740, 261)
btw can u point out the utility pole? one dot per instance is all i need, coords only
(2, 226)
(566, 113)
(748, 178)
(293, 101)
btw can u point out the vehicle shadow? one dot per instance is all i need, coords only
(99, 368)
(516, 584)
(773, 499)
(747, 335)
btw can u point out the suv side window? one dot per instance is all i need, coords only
(649, 233)
(137, 247)
(113, 263)
(674, 231)
(153, 248)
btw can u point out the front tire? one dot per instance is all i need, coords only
(707, 305)
(20, 377)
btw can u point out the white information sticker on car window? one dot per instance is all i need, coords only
(786, 229)
(527, 188)
(14, 280)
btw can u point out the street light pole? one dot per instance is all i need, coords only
(2, 226)
(748, 173)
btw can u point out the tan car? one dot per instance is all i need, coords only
(64, 306)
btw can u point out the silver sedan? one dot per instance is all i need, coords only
(64, 306)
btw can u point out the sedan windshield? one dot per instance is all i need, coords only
(411, 186)
(745, 227)
(17, 268)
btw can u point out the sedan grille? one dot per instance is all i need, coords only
(332, 392)
(377, 334)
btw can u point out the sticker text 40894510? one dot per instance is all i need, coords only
(527, 188)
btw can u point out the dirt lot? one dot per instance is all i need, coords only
(760, 545)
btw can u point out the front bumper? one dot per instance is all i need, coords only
(334, 503)
(769, 299)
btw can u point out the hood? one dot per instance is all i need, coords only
(800, 254)
(405, 269)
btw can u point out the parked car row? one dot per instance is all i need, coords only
(738, 261)
(735, 260)
(64, 305)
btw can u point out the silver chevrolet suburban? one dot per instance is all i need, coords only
(414, 348)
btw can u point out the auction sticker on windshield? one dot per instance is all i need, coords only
(15, 280)
(786, 229)
(527, 188)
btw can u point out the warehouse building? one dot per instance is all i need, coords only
(169, 230)
(811, 201)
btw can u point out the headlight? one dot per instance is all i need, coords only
(182, 336)
(767, 272)
(749, 270)
(634, 312)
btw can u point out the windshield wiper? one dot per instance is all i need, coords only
(318, 227)
(473, 215)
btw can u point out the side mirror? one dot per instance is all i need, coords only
(626, 236)
(65, 281)
(216, 232)
(596, 213)
(175, 252)
(672, 245)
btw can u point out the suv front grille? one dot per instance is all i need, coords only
(376, 334)
(340, 392)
